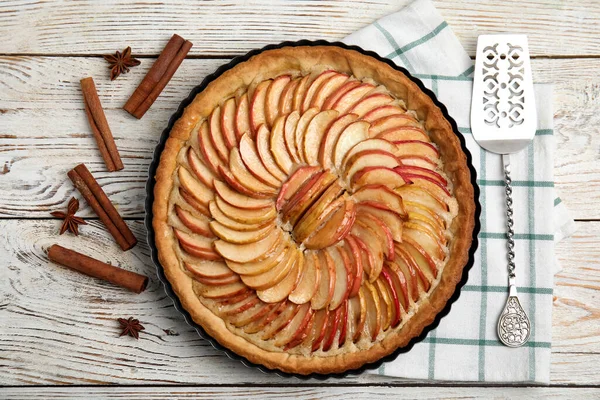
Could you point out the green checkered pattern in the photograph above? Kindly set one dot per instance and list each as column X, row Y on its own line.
column 464, row 347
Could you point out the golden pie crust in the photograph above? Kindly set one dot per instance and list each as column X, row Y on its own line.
column 297, row 62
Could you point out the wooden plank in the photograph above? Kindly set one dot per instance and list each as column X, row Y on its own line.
column 59, row 327
column 217, row 28
column 44, row 132
column 299, row 393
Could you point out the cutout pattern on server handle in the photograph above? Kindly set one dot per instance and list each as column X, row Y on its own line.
column 504, row 96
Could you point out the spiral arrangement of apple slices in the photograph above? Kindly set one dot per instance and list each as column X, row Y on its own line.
column 312, row 212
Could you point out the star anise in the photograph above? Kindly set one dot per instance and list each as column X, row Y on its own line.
column 71, row 222
column 120, row 63
column 131, row 327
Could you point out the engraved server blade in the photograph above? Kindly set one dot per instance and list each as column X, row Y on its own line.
column 503, row 121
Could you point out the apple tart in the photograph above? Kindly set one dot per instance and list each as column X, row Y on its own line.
column 313, row 209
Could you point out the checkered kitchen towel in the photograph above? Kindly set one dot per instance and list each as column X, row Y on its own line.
column 464, row 347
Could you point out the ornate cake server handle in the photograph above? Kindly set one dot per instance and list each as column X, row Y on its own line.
column 514, row 326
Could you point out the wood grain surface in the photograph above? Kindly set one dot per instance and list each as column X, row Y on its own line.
column 59, row 328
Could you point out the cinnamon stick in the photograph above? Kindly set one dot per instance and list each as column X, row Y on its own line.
column 106, row 211
column 158, row 76
column 90, row 266
column 99, row 124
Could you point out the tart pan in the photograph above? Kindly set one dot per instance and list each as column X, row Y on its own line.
column 150, row 200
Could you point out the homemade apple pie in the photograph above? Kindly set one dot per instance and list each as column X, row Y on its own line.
column 313, row 209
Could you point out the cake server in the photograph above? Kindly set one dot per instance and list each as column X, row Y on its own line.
column 503, row 121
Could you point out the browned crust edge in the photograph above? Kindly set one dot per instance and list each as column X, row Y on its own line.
column 361, row 66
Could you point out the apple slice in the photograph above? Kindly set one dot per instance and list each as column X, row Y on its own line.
column 331, row 137
column 250, row 251
column 426, row 173
column 282, row 289
column 273, row 276
column 387, row 310
column 286, row 100
column 302, row 331
column 337, row 226
column 219, row 292
column 234, row 183
column 423, row 259
column 421, row 213
column 195, row 223
column 370, row 102
column 369, row 159
column 262, row 317
column 377, row 176
column 306, row 196
column 369, row 145
column 340, row 291
column 244, row 178
column 216, row 135
column 239, row 307
column 263, row 264
column 353, row 134
column 252, row 315
column 357, row 261
column 367, row 258
column 315, row 131
column 326, row 286
column 209, row 153
column 246, row 215
column 393, row 121
column 418, row 195
column 416, row 147
column 289, row 134
column 242, row 117
column 373, row 244
column 314, row 87
column 332, row 329
column 319, row 212
column 381, row 194
column 191, row 240
column 273, row 97
column 347, row 101
column 343, row 324
column 425, row 238
column 388, row 287
column 337, row 94
column 435, row 188
column 352, row 318
column 404, row 133
column 281, row 321
column 192, row 202
column 329, row 86
column 382, row 230
column 413, row 274
column 390, row 218
column 309, row 282
column 228, row 123
column 218, row 282
column 240, row 237
column 400, row 284
column 373, row 311
column 383, row 111
column 197, row 189
column 425, row 278
column 301, row 130
column 245, row 295
column 300, row 93
column 318, row 330
column 257, row 106
column 202, row 172
column 253, row 162
column 298, row 323
column 301, row 176
column 239, row 200
column 430, row 225
column 265, row 155
column 277, row 146
column 360, row 324
column 209, row 270
column 218, row 215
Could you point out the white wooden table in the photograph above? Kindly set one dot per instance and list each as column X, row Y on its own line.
column 58, row 329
